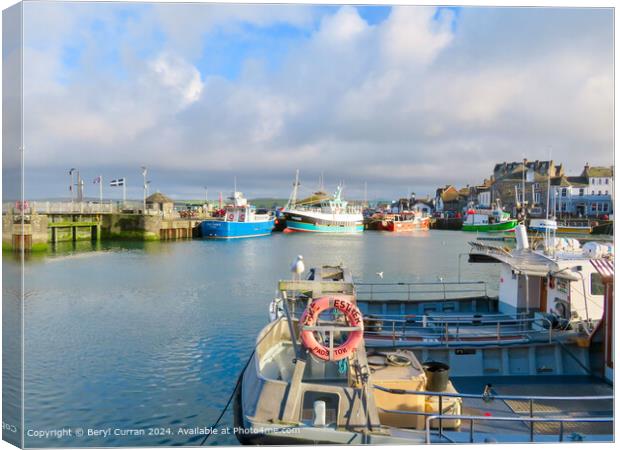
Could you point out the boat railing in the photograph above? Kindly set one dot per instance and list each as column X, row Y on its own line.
column 446, row 330
column 562, row 421
column 488, row 397
column 418, row 291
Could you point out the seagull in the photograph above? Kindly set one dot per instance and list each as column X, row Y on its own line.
column 380, row 275
column 298, row 266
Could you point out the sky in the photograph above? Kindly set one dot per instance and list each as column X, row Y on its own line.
column 400, row 98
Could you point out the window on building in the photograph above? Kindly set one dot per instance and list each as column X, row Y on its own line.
column 599, row 192
column 606, row 192
column 592, row 192
column 596, row 284
column 563, row 206
column 606, row 180
column 605, row 207
column 563, row 192
column 581, row 192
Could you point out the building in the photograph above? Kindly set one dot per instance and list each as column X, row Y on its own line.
column 510, row 179
column 587, row 195
column 160, row 202
column 480, row 195
column 424, row 206
column 448, row 198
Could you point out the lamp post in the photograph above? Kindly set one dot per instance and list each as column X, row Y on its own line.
column 145, row 188
column 71, row 182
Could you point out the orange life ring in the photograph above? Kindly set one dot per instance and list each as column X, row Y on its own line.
column 353, row 317
column 231, row 216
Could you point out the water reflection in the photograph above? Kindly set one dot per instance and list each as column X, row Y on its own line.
column 153, row 334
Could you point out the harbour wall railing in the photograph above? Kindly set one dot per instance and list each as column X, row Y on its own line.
column 439, row 290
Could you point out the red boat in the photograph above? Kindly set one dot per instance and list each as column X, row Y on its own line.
column 405, row 222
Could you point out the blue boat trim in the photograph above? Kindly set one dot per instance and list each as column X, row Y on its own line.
column 222, row 229
column 310, row 227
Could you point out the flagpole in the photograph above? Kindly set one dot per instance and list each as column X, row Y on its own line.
column 124, row 191
column 100, row 190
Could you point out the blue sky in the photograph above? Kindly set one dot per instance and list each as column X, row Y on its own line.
column 398, row 97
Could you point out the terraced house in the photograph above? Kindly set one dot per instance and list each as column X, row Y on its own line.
column 514, row 182
column 587, row 195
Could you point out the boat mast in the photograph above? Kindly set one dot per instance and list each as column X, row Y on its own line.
column 523, row 187
column 547, row 228
column 292, row 200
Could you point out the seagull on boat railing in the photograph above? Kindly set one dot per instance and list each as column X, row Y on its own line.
column 298, row 267
column 380, row 275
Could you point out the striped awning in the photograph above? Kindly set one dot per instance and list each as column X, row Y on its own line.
column 605, row 267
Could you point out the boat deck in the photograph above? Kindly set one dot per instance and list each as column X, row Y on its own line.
column 536, row 386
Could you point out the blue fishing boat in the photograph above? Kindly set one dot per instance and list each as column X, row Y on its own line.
column 240, row 220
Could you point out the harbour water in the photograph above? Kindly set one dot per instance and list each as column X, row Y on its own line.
column 145, row 341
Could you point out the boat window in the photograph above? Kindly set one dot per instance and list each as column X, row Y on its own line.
column 596, row 284
column 331, row 406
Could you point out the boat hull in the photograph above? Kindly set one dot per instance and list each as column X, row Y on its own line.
column 491, row 227
column 407, row 225
column 221, row 229
column 304, row 222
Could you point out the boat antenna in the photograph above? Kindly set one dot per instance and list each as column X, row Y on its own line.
column 235, row 184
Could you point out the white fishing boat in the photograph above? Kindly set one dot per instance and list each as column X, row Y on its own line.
column 333, row 215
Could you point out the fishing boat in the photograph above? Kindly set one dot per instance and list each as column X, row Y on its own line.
column 532, row 364
column 562, row 227
column 333, row 215
column 488, row 220
column 406, row 222
column 238, row 220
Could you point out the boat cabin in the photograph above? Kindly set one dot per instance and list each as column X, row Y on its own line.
column 561, row 283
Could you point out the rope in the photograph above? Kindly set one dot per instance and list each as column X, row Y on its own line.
column 232, row 395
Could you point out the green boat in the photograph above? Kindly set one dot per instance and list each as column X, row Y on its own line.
column 488, row 221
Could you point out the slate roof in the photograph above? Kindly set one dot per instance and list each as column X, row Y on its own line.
column 589, row 172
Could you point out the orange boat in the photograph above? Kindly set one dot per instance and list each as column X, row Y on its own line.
column 405, row 222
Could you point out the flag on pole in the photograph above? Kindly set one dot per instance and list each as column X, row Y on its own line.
column 118, row 182
column 97, row 180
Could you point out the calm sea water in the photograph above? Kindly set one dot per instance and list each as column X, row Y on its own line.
column 128, row 336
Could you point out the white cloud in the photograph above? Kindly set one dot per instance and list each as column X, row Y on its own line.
column 417, row 99
column 176, row 74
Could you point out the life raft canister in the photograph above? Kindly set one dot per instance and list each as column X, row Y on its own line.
column 353, row 317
